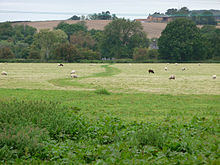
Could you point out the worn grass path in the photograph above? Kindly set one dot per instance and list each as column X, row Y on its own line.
column 109, row 71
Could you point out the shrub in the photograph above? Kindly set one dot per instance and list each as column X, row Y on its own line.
column 6, row 53
column 102, row 91
column 140, row 54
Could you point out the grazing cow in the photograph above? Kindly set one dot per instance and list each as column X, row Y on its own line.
column 60, row 64
column 150, row 71
column 172, row 77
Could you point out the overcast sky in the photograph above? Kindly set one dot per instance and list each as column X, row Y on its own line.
column 14, row 10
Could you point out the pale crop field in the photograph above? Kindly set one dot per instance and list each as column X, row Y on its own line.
column 130, row 78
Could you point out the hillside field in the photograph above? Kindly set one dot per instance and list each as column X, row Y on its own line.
column 110, row 114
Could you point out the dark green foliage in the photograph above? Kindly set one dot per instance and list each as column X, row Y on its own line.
column 82, row 39
column 67, row 52
column 211, row 38
column 140, row 54
column 75, row 17
column 33, row 131
column 6, row 31
column 6, row 53
column 153, row 54
column 120, row 37
column 205, row 18
column 181, row 41
column 70, row 29
column 102, row 16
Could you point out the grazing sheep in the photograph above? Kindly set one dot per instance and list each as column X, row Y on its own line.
column 73, row 72
column 172, row 77
column 176, row 63
column 165, row 68
column 150, row 71
column 60, row 64
column 183, row 69
column 214, row 76
column 74, row 76
column 4, row 73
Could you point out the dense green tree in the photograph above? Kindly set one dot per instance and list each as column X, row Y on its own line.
column 46, row 41
column 24, row 33
column 6, row 31
column 171, row 11
column 102, row 16
column 82, row 39
column 120, row 37
column 140, row 54
column 67, row 52
column 75, row 17
column 206, row 18
column 181, row 41
column 21, row 49
column 70, row 29
column 6, row 53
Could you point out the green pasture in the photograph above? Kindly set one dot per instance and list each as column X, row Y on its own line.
column 129, row 78
column 111, row 114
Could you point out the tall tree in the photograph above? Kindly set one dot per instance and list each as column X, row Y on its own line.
column 120, row 37
column 181, row 41
column 70, row 29
column 46, row 40
column 6, row 31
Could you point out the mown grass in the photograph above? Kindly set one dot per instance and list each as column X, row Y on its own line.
column 112, row 114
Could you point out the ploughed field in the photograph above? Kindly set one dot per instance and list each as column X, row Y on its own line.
column 111, row 113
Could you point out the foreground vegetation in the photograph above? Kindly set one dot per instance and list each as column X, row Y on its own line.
column 106, row 117
column 95, row 127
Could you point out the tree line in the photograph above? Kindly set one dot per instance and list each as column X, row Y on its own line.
column 180, row 41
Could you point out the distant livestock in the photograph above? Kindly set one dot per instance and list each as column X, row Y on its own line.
column 183, row 69
column 74, row 76
column 73, row 72
column 176, row 63
column 214, row 76
column 60, row 64
column 172, row 77
column 165, row 68
column 150, row 71
column 4, row 73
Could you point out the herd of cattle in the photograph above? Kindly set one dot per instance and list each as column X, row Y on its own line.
column 74, row 75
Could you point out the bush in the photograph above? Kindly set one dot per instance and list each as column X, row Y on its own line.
column 140, row 54
column 102, row 91
column 153, row 54
column 6, row 53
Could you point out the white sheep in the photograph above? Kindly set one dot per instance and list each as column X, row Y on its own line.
column 214, row 76
column 73, row 72
column 199, row 64
column 172, row 77
column 4, row 73
column 176, row 63
column 74, row 76
column 183, row 69
column 165, row 68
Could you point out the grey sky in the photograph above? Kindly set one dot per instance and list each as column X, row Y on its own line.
column 64, row 9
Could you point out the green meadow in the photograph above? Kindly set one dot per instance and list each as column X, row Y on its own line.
column 110, row 114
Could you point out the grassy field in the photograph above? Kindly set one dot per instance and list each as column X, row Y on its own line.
column 111, row 114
